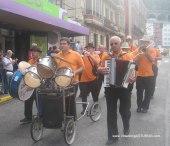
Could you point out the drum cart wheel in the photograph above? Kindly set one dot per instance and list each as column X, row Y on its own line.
column 36, row 129
column 69, row 131
column 95, row 112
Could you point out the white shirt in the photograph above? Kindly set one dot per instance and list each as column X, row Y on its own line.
column 7, row 63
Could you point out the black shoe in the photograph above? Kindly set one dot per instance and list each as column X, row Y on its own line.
column 144, row 111
column 111, row 141
column 25, row 120
column 126, row 132
column 138, row 110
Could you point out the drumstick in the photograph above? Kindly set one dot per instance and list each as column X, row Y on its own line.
column 57, row 57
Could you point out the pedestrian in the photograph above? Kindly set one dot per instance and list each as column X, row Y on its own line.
column 50, row 50
column 7, row 69
column 1, row 70
column 79, row 48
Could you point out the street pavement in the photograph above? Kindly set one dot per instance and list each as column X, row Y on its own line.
column 150, row 129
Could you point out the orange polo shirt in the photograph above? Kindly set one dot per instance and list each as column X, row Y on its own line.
column 122, row 55
column 158, row 54
column 74, row 58
column 87, row 74
column 144, row 64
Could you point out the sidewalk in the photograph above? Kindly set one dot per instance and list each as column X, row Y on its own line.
column 5, row 98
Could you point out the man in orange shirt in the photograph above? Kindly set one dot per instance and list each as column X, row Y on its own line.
column 88, row 82
column 100, row 79
column 155, row 68
column 145, row 75
column 28, row 105
column 114, row 93
column 73, row 60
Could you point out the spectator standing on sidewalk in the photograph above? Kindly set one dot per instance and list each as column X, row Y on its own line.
column 1, row 70
column 7, row 69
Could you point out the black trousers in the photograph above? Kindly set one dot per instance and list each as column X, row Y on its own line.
column 28, row 105
column 154, row 79
column 144, row 86
column 100, row 80
column 112, row 95
column 86, row 88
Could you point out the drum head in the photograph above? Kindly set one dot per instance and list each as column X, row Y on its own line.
column 24, row 91
column 44, row 71
column 63, row 81
column 32, row 80
column 22, row 66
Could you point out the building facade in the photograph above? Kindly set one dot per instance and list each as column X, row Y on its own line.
column 136, row 16
column 104, row 18
column 159, row 18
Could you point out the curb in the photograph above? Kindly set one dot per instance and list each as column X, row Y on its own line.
column 5, row 99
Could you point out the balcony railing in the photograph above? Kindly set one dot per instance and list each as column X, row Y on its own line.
column 97, row 19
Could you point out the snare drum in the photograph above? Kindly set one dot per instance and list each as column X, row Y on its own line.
column 32, row 78
column 63, row 77
column 46, row 67
column 17, row 87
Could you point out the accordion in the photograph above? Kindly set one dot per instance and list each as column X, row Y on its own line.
column 120, row 72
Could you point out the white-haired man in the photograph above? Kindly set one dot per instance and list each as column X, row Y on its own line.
column 113, row 94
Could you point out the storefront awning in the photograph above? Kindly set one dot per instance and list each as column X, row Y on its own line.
column 18, row 16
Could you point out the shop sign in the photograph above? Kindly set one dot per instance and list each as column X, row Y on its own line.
column 42, row 5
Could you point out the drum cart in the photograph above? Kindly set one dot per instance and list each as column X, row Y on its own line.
column 55, row 115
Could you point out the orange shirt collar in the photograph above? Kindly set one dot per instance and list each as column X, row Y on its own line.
column 63, row 53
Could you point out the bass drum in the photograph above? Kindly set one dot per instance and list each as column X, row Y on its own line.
column 18, row 88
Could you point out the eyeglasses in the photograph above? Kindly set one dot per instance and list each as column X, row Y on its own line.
column 113, row 43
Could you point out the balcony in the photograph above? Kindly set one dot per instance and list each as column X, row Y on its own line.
column 94, row 18
column 91, row 17
column 108, row 23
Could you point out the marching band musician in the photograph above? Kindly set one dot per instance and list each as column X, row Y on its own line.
column 145, row 74
column 73, row 60
column 88, row 80
column 114, row 93
column 155, row 68
column 102, row 53
column 28, row 105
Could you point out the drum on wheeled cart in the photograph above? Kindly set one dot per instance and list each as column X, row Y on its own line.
column 55, row 95
column 56, row 110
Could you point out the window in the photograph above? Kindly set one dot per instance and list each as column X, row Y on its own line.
column 101, row 40
column 95, row 40
column 98, row 7
column 94, row 7
column 88, row 7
